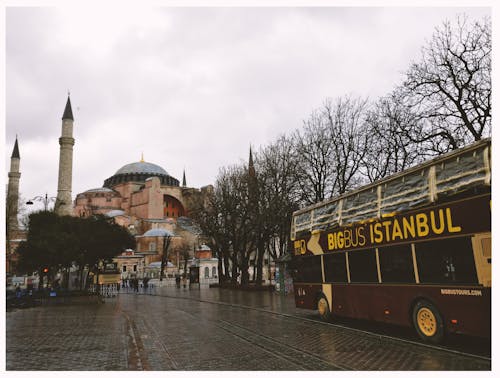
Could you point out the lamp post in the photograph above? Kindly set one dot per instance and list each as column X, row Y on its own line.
column 45, row 200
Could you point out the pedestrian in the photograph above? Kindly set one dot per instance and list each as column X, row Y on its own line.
column 184, row 280
column 178, row 280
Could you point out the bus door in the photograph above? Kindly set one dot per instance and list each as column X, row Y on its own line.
column 481, row 244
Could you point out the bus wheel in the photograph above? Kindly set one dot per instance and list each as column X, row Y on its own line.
column 428, row 322
column 323, row 308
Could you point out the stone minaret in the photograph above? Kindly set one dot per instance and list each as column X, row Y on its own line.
column 184, row 178
column 64, row 205
column 13, row 189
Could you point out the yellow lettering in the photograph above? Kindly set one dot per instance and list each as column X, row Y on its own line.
column 451, row 228
column 422, row 226
column 340, row 240
column 331, row 241
column 437, row 230
column 347, row 238
column 379, row 235
column 371, row 233
column 387, row 234
column 396, row 230
column 361, row 236
column 409, row 227
column 300, row 247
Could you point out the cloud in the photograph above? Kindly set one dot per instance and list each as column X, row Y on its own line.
column 192, row 88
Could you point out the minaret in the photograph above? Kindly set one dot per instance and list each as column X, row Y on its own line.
column 184, row 178
column 13, row 189
column 64, row 205
column 251, row 167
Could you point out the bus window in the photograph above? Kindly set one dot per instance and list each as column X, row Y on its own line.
column 363, row 266
column 335, row 267
column 307, row 269
column 446, row 261
column 396, row 264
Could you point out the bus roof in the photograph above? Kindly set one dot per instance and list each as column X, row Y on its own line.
column 422, row 184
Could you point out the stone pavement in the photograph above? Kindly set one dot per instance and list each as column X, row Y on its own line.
column 170, row 330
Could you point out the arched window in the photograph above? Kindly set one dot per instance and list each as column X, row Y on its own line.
column 207, row 272
column 214, row 271
column 152, row 246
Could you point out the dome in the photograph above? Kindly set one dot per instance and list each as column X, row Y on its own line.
column 139, row 172
column 142, row 167
column 114, row 213
column 158, row 232
column 99, row 190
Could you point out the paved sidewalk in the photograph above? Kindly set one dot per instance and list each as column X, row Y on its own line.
column 265, row 300
column 163, row 330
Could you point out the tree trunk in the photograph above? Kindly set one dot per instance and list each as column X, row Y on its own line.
column 40, row 281
column 234, row 270
column 219, row 268
column 260, row 260
column 244, row 270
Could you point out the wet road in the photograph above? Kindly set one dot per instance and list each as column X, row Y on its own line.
column 208, row 329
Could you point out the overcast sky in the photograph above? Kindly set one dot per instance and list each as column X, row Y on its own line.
column 191, row 88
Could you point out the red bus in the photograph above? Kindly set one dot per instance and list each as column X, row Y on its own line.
column 413, row 249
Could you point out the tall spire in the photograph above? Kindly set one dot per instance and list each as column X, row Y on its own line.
column 64, row 204
column 15, row 151
column 68, row 113
column 184, row 178
column 13, row 190
column 251, row 168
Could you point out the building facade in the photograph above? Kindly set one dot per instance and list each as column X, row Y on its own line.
column 146, row 199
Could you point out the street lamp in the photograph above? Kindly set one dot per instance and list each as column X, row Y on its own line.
column 45, row 200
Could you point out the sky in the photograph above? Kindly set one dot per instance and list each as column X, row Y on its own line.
column 190, row 88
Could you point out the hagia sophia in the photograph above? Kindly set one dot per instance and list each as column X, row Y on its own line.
column 141, row 196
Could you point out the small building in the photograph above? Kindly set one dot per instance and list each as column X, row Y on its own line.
column 205, row 266
column 153, row 269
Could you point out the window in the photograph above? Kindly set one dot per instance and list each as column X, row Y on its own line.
column 135, row 268
column 307, row 269
column 363, row 266
column 152, row 246
column 124, row 268
column 214, row 271
column 396, row 264
column 446, row 261
column 207, row 272
column 335, row 267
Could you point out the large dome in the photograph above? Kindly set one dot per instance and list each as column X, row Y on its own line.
column 139, row 172
column 142, row 167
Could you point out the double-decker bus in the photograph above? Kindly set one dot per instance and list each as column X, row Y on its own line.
column 413, row 249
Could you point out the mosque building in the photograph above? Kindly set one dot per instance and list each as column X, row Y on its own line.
column 146, row 199
column 141, row 196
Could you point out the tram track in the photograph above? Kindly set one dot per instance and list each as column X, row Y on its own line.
column 379, row 336
column 304, row 360
column 300, row 358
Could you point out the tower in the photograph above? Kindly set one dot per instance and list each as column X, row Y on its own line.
column 64, row 205
column 13, row 189
column 184, row 178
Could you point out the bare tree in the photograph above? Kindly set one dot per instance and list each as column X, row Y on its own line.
column 313, row 151
column 450, row 88
column 390, row 148
column 349, row 139
column 167, row 238
column 279, row 193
